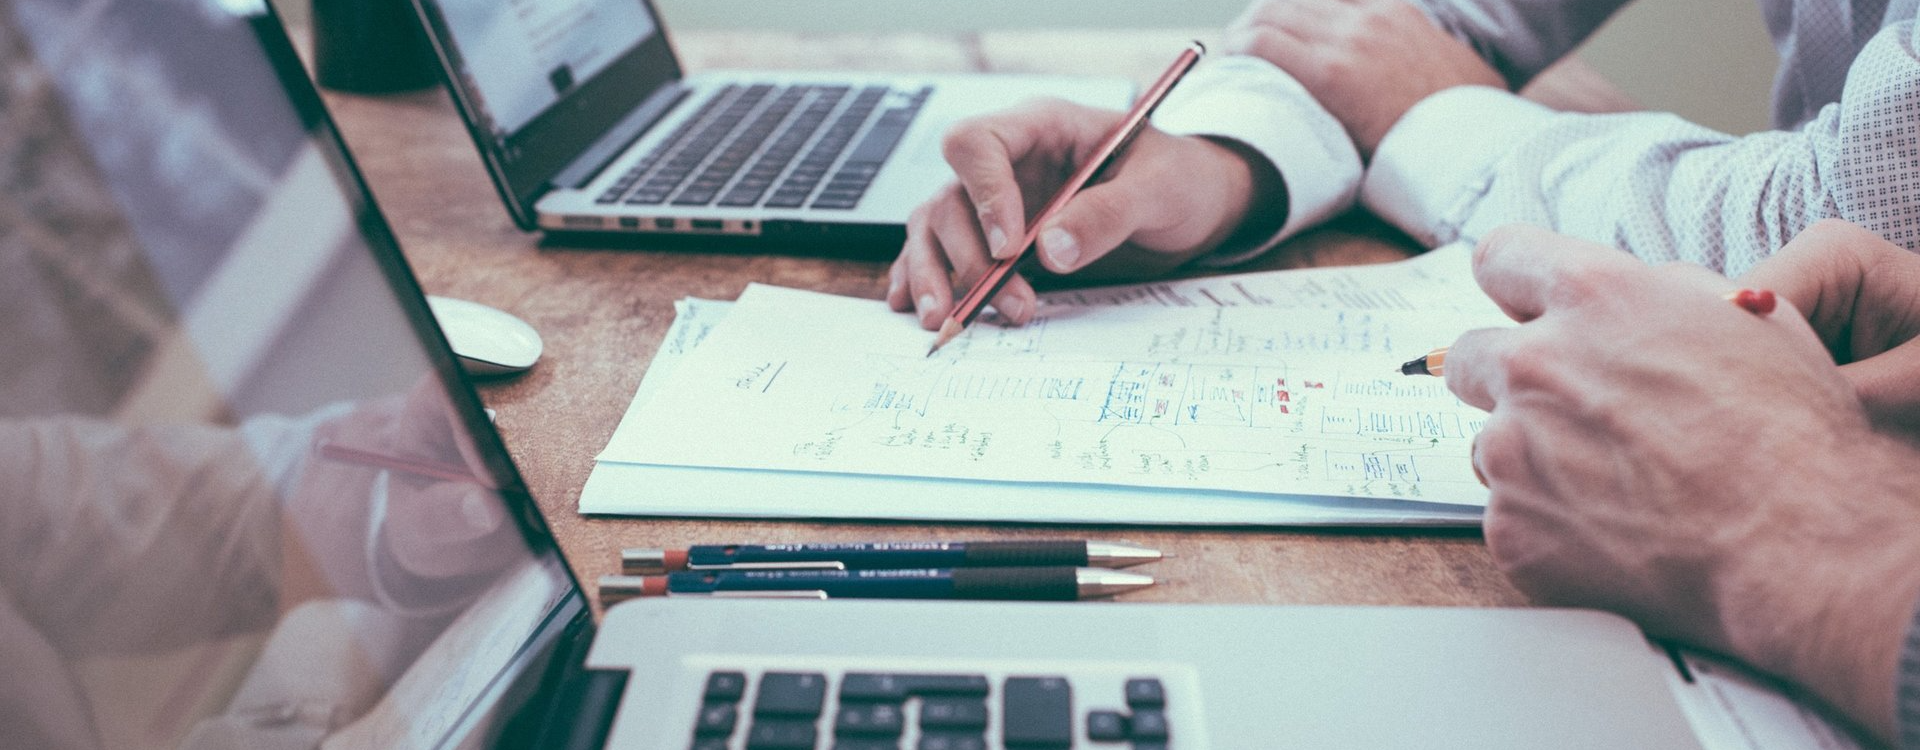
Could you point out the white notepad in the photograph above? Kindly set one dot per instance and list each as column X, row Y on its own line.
column 1262, row 398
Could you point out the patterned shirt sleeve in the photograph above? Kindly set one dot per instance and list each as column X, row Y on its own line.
column 1469, row 159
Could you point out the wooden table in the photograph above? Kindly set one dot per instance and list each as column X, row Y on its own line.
column 603, row 313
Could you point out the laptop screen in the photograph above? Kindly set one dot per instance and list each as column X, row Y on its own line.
column 248, row 502
column 528, row 54
column 540, row 81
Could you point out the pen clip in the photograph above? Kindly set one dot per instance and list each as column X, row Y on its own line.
column 821, row 595
column 814, row 565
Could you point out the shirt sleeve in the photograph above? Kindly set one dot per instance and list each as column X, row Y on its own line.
column 1249, row 101
column 1520, row 38
column 1468, row 159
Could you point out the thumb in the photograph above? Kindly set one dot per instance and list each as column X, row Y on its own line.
column 1091, row 225
column 1887, row 386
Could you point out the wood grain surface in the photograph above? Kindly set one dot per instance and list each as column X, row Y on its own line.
column 604, row 311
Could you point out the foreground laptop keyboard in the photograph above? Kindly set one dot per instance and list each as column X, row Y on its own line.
column 741, row 147
column 919, row 711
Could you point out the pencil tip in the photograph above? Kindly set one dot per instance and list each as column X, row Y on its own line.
column 948, row 331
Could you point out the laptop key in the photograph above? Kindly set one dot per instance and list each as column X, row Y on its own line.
column 1037, row 712
column 790, row 694
column 953, row 713
column 949, row 741
column 725, row 686
column 710, row 743
column 1145, row 692
column 1148, row 724
column 715, row 719
column 1106, row 726
column 869, row 719
column 865, row 743
column 781, row 734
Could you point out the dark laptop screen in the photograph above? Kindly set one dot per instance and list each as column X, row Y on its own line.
column 244, row 499
column 539, row 81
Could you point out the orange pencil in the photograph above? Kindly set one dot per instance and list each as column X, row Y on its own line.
column 975, row 300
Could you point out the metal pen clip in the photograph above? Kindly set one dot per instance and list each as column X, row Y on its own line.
column 822, row 595
column 814, row 565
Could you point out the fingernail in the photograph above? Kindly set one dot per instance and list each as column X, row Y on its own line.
column 997, row 242
column 1012, row 309
column 1061, row 247
column 893, row 288
column 927, row 305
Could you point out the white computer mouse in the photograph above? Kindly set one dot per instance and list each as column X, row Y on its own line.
column 486, row 341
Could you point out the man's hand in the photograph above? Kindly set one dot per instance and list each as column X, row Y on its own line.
column 1366, row 61
column 1659, row 452
column 1861, row 293
column 1166, row 201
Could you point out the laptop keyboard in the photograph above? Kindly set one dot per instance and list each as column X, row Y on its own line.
column 922, row 711
column 740, row 149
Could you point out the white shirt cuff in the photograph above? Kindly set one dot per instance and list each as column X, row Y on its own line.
column 1438, row 160
column 1249, row 101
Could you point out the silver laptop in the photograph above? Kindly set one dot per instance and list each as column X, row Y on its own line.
column 251, row 502
column 588, row 123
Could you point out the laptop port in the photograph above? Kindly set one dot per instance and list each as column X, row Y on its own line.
column 668, row 224
column 709, row 225
column 630, row 222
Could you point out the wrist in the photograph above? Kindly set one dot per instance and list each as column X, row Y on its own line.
column 1255, row 196
column 1827, row 604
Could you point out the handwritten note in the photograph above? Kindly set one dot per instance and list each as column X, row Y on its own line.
column 1245, row 398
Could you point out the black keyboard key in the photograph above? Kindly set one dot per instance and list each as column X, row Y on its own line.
column 1145, row 692
column 947, row 741
column 869, row 719
column 696, row 196
column 781, row 734
column 1148, row 724
column 837, row 203
column 953, row 713
column 725, row 686
column 787, row 200
column 715, row 720
column 868, row 686
column 1106, row 726
column 790, row 694
column 1037, row 712
column 647, row 198
column 865, row 743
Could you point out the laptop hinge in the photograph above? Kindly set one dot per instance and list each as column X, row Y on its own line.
column 618, row 138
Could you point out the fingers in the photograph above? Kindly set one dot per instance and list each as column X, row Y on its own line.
column 1476, row 365
column 446, row 526
column 1526, row 269
column 945, row 253
column 927, row 274
column 1860, row 293
column 1887, row 387
column 985, row 152
column 1095, row 222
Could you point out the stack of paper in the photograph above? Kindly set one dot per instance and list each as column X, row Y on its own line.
column 1270, row 398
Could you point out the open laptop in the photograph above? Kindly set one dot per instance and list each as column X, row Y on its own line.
column 250, row 502
column 588, row 123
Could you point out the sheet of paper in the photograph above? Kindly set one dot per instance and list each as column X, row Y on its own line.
column 1299, row 402
column 1440, row 280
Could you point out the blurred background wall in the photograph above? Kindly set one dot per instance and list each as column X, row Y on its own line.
column 1708, row 60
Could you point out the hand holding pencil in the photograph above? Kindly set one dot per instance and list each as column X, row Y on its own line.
column 1167, row 200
